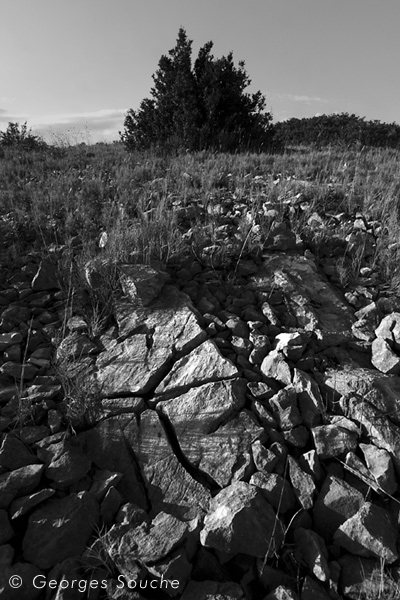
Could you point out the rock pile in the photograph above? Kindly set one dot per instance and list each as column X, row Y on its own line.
column 244, row 440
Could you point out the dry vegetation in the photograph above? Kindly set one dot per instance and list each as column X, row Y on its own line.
column 69, row 196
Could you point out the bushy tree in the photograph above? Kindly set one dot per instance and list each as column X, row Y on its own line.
column 198, row 106
column 20, row 136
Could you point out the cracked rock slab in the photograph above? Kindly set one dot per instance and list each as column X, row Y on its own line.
column 169, row 486
column 149, row 338
column 204, row 364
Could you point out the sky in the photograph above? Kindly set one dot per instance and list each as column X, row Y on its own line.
column 72, row 68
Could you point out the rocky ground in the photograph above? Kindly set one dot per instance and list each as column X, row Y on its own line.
column 233, row 430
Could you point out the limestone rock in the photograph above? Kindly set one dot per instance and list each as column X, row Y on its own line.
column 15, row 454
column 383, row 357
column 380, row 390
column 282, row 593
column 276, row 490
column 275, row 367
column 316, row 305
column 148, row 544
column 23, row 505
column 205, row 363
column 240, row 520
column 369, row 533
column 302, row 483
column 165, row 330
column 382, row 432
column 48, row 538
column 389, row 330
column 380, row 466
column 46, row 277
column 168, row 483
column 6, row 531
column 356, row 575
column 141, row 283
column 309, row 398
column 312, row 551
column 19, row 482
column 105, row 445
column 336, row 502
column 331, row 440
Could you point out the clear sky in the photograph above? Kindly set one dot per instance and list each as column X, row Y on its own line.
column 73, row 67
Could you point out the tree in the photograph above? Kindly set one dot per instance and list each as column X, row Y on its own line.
column 20, row 136
column 199, row 106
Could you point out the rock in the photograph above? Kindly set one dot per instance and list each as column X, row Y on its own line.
column 167, row 482
column 311, row 590
column 311, row 550
column 316, row 305
column 275, row 367
column 368, row 533
column 276, row 490
column 389, row 330
column 380, row 466
column 9, row 339
column 204, row 364
column 220, row 451
column 282, row 593
column 336, row 502
column 14, row 453
column 264, row 459
column 240, row 520
column 148, row 544
column 19, row 482
column 48, row 539
column 381, row 432
column 205, row 590
column 356, row 576
column 309, row 398
column 165, row 330
column 331, row 440
column 379, row 390
column 65, row 462
column 302, row 483
column 383, row 357
column 23, row 505
column 105, row 445
column 46, row 277
column 141, row 283
column 284, row 406
column 6, row 530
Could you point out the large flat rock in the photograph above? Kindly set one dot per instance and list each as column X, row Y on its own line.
column 315, row 303
column 148, row 340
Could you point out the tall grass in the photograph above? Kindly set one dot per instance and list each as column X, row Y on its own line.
column 57, row 195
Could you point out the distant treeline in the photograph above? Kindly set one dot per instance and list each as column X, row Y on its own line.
column 337, row 129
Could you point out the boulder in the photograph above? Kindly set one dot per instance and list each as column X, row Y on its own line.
column 48, row 538
column 383, row 357
column 336, row 502
column 240, row 520
column 368, row 533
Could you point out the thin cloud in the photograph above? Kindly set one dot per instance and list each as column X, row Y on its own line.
column 297, row 98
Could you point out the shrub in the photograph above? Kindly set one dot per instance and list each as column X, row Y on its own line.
column 20, row 136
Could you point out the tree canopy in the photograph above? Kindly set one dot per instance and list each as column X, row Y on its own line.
column 198, row 106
